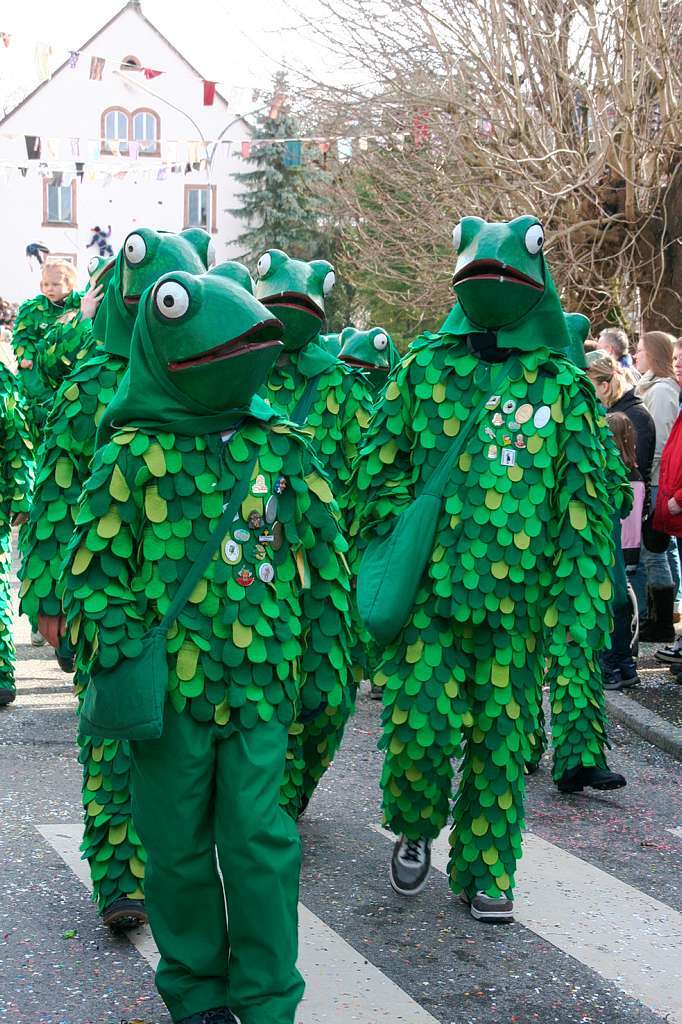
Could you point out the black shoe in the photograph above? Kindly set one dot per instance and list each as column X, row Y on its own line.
column 575, row 780
column 410, row 865
column 219, row 1015
column 532, row 767
column 375, row 692
column 6, row 696
column 123, row 914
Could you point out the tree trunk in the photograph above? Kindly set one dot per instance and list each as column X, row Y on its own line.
column 662, row 308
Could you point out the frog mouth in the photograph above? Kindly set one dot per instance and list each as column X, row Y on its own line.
column 262, row 336
column 362, row 365
column 105, row 270
column 493, row 270
column 293, row 300
column 131, row 300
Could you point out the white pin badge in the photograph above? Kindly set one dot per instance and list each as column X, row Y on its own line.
column 508, row 457
column 542, row 417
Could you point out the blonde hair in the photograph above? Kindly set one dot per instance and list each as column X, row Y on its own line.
column 602, row 368
column 659, row 351
column 67, row 268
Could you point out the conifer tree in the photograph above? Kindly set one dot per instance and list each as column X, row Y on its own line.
column 277, row 206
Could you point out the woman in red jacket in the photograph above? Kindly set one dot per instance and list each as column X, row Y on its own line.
column 668, row 515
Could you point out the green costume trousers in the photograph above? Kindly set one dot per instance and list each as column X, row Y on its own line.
column 7, row 652
column 198, row 788
column 110, row 844
column 469, row 691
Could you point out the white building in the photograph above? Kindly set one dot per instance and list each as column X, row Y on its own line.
column 132, row 149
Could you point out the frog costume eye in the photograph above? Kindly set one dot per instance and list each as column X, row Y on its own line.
column 328, row 283
column 135, row 249
column 264, row 264
column 535, row 239
column 457, row 237
column 93, row 265
column 171, row 300
column 380, row 342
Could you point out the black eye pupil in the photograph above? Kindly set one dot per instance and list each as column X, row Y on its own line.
column 168, row 301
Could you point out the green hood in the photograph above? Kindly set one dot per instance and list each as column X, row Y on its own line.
column 144, row 256
column 295, row 290
column 201, row 348
column 578, row 327
column 372, row 351
column 503, row 285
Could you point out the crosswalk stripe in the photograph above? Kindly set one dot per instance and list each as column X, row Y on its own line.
column 618, row 931
column 340, row 984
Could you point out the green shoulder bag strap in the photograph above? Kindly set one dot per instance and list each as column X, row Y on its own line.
column 305, row 402
column 204, row 557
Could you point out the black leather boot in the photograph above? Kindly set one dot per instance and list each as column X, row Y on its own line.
column 659, row 628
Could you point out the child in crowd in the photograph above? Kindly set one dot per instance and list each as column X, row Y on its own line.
column 618, row 664
column 58, row 296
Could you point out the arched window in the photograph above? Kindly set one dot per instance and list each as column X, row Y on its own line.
column 146, row 131
column 115, row 131
column 131, row 63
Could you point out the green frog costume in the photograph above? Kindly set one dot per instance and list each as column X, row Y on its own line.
column 371, row 352
column 111, row 844
column 35, row 318
column 314, row 389
column 264, row 629
column 519, row 571
column 70, row 339
column 16, row 460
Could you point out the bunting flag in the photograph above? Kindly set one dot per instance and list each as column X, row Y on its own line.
column 134, row 150
column 292, row 154
column 6, row 39
column 209, row 93
column 43, row 52
column 277, row 104
column 32, row 146
column 150, row 73
column 96, row 68
column 74, row 56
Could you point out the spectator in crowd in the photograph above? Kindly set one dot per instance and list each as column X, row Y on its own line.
column 660, row 392
column 618, row 664
column 615, row 341
column 590, row 345
column 616, row 395
column 669, row 504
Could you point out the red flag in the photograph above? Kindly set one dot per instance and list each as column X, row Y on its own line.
column 150, row 73
column 209, row 93
column 96, row 68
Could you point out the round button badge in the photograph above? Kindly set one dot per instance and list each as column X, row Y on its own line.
column 542, row 417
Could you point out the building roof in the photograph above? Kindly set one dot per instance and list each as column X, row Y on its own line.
column 134, row 5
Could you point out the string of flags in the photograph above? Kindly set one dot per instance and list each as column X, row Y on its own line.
column 56, row 150
column 99, row 64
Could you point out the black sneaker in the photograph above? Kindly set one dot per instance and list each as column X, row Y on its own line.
column 123, row 914
column 375, row 692
column 489, row 909
column 7, row 696
column 575, row 780
column 670, row 655
column 410, row 865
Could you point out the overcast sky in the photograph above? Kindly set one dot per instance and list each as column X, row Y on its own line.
column 244, row 43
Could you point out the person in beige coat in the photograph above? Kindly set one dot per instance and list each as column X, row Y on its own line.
column 660, row 393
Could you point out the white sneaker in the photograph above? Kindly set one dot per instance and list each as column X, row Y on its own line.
column 37, row 639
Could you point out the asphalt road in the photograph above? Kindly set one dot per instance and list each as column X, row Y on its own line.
column 598, row 936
